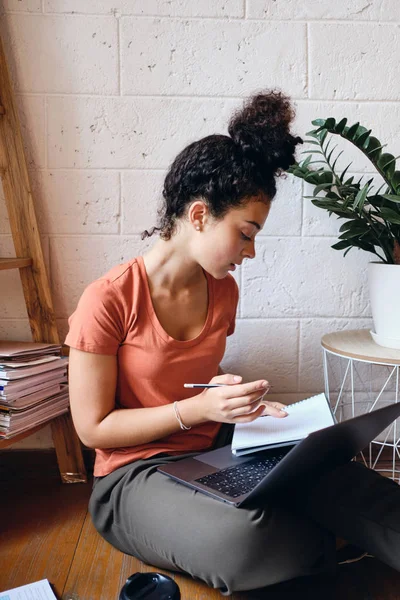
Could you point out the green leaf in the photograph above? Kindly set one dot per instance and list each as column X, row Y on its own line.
column 374, row 147
column 348, row 225
column 341, row 125
column 362, row 140
column 354, row 229
column 318, row 122
column 344, row 173
column 330, row 123
column 321, row 186
column 336, row 159
column 323, row 135
column 312, row 152
column 351, row 131
column 390, row 215
column 327, row 177
column 342, row 245
column 360, row 130
column 360, row 198
column 313, row 133
column 387, row 163
column 306, row 162
column 396, row 179
column 391, row 197
column 330, row 154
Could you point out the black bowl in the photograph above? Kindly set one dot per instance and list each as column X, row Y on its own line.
column 152, row 586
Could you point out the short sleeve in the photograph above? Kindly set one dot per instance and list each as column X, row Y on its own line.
column 235, row 300
column 98, row 323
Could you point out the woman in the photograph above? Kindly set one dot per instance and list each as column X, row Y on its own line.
column 146, row 327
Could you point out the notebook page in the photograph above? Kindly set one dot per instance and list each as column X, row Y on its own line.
column 303, row 418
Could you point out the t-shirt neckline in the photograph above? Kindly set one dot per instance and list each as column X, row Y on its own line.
column 156, row 323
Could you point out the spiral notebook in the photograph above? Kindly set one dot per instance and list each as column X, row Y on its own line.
column 303, row 418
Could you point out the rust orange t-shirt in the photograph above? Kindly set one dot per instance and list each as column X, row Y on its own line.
column 115, row 315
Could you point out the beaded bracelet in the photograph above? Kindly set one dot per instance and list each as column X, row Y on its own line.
column 178, row 417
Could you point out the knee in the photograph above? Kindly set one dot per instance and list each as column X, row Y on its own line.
column 240, row 557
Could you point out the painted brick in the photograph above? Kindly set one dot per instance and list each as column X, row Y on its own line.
column 285, row 215
column 17, row 330
column 264, row 349
column 374, row 49
column 32, row 6
column 303, row 276
column 76, row 202
column 177, row 8
column 129, row 132
column 141, row 197
column 174, row 57
column 311, row 377
column 77, row 261
column 72, row 55
column 357, row 10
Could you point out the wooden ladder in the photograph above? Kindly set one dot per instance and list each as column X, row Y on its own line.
column 29, row 260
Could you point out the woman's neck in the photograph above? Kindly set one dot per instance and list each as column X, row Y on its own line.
column 169, row 266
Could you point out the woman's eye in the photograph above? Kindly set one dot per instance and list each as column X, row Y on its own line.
column 245, row 237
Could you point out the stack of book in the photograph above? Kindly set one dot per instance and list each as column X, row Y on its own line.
column 33, row 386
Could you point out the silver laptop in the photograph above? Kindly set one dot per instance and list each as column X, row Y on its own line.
column 245, row 480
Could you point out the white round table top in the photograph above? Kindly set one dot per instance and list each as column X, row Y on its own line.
column 358, row 343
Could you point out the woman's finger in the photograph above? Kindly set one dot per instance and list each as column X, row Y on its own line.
column 249, row 417
column 274, row 409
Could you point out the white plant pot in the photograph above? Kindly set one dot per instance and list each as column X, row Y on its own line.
column 384, row 293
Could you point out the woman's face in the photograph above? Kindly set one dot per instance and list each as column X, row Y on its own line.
column 223, row 244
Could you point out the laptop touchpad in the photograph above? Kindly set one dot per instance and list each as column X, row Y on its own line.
column 222, row 457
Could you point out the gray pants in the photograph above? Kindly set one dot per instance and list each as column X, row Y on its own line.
column 163, row 523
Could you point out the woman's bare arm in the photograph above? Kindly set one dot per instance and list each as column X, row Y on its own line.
column 92, row 385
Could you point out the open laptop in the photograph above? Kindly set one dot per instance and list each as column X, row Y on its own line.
column 244, row 480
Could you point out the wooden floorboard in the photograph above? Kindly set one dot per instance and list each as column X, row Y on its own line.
column 39, row 532
column 98, row 571
column 46, row 532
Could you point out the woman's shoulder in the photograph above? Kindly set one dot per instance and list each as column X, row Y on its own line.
column 117, row 290
column 117, row 278
column 119, row 274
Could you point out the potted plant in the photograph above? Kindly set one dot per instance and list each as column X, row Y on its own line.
column 372, row 216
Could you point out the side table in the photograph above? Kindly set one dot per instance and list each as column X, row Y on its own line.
column 361, row 376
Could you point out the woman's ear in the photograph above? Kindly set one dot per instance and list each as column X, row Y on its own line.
column 197, row 214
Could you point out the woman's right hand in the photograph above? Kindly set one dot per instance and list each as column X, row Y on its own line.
column 235, row 402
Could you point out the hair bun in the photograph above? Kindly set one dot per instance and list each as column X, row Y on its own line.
column 261, row 130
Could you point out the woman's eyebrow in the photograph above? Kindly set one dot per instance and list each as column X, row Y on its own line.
column 254, row 223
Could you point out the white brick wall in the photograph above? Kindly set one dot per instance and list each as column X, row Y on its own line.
column 110, row 90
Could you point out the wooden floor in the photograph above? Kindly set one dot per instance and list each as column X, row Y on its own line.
column 46, row 533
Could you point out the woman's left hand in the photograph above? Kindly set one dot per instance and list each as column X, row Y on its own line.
column 274, row 409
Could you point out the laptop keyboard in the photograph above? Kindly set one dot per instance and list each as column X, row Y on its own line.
column 236, row 481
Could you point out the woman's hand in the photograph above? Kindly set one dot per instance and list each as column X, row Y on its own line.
column 237, row 402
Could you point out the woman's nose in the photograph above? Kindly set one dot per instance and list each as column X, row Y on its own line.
column 250, row 250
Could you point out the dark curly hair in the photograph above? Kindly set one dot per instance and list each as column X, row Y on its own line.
column 226, row 171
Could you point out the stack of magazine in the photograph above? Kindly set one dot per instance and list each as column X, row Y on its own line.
column 33, row 386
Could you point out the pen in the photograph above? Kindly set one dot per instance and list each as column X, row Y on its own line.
column 203, row 385
column 208, row 385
